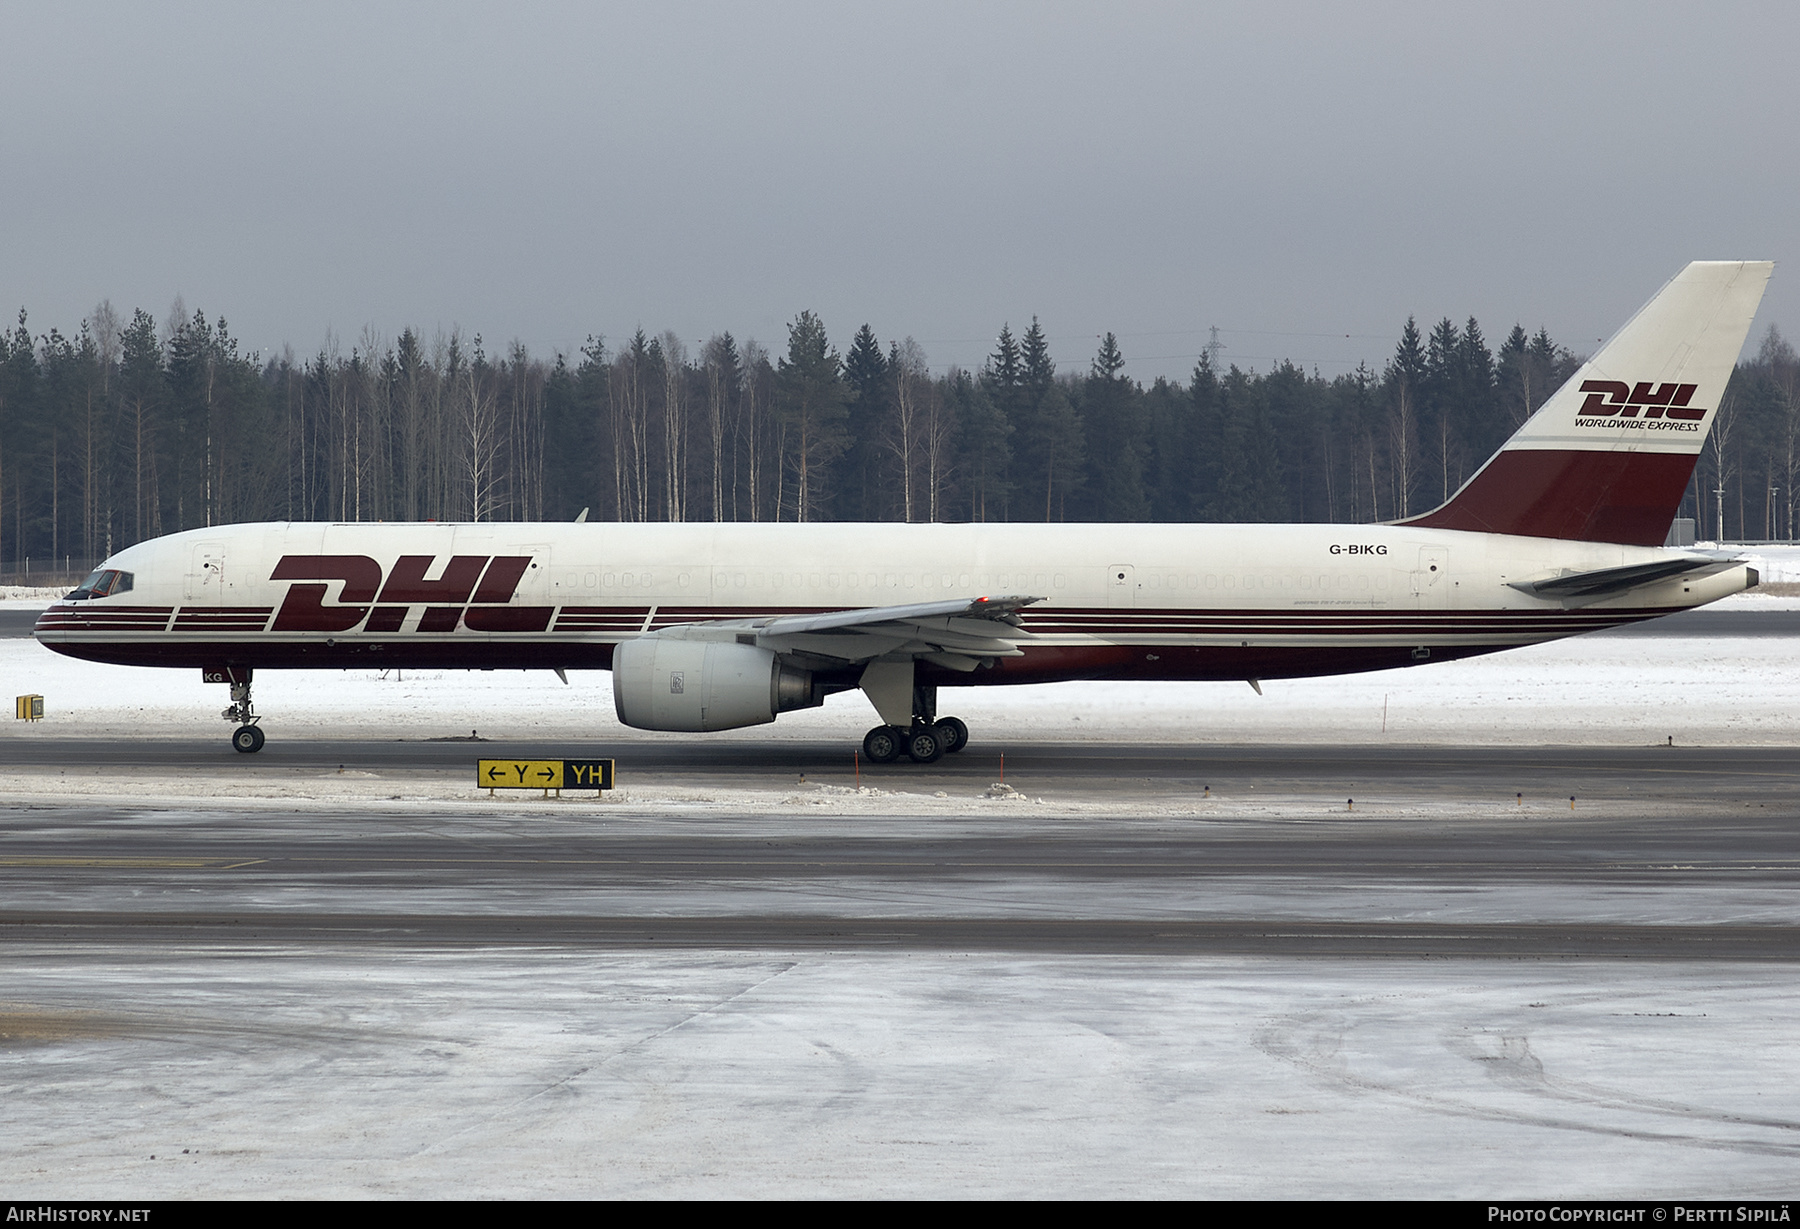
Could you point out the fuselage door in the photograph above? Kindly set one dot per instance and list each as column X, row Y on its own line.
column 1121, row 586
column 1431, row 582
column 205, row 579
column 540, row 584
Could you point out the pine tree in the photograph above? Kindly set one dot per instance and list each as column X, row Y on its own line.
column 866, row 373
column 1513, row 378
column 1039, row 451
column 1480, row 428
column 1405, row 379
column 986, row 449
column 1061, row 453
column 1110, row 407
column 812, row 403
column 19, row 415
column 1006, row 371
column 141, row 393
column 1040, row 369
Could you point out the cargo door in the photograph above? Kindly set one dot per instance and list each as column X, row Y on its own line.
column 204, row 584
column 1431, row 580
column 1121, row 586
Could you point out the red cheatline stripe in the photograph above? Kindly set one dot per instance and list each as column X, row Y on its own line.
column 150, row 620
column 104, row 624
column 1333, row 621
column 1255, row 612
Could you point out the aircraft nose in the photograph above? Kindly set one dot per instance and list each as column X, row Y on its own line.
column 50, row 620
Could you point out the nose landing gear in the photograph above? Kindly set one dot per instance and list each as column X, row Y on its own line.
column 248, row 737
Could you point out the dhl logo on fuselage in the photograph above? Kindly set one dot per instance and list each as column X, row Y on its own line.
column 472, row 589
column 1607, row 398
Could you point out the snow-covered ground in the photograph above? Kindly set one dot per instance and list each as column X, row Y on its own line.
column 366, row 1072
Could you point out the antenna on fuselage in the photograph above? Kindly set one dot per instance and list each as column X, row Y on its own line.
column 581, row 516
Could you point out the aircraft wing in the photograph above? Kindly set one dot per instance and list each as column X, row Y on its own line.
column 957, row 633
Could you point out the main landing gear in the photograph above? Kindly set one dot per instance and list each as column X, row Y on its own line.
column 925, row 743
column 248, row 737
column 928, row 738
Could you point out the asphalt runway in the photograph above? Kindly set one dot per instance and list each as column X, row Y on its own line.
column 1658, row 822
column 1701, row 775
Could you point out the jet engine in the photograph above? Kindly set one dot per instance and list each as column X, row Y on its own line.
column 665, row 683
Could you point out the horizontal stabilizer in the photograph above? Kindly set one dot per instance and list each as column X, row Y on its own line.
column 1608, row 581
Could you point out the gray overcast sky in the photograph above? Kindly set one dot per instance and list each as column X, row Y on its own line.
column 1289, row 172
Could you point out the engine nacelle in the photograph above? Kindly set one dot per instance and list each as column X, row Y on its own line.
column 664, row 683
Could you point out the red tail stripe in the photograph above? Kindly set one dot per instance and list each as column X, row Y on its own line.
column 1625, row 497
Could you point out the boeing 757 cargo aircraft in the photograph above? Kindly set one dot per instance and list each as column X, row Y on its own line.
column 717, row 626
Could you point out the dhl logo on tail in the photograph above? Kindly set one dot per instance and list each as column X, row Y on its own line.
column 1609, row 397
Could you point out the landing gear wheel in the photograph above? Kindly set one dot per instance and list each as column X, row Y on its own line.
column 883, row 744
column 924, row 745
column 248, row 739
column 953, row 734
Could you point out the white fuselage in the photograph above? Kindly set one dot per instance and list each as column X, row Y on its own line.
column 1118, row 601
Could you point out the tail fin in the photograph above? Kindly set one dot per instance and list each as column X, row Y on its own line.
column 1609, row 456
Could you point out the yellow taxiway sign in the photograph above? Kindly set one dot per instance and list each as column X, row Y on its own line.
column 544, row 774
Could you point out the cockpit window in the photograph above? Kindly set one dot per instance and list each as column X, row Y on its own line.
column 105, row 582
